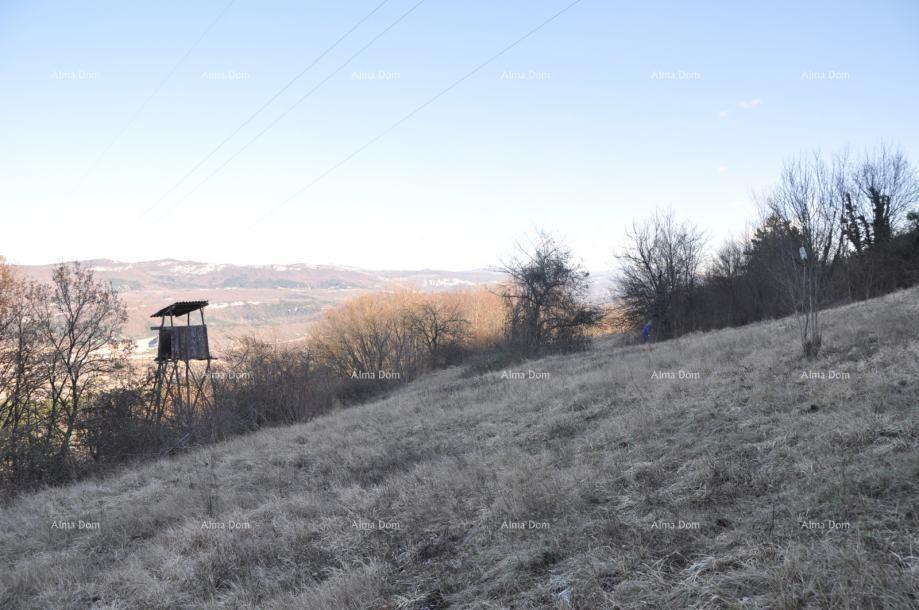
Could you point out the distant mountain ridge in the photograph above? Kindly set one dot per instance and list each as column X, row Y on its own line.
column 278, row 300
column 173, row 273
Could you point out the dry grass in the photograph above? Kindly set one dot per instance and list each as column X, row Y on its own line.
column 599, row 452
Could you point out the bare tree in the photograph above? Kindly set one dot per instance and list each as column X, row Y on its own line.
column 83, row 320
column 888, row 189
column 21, row 374
column 809, row 197
column 547, row 300
column 659, row 271
column 439, row 326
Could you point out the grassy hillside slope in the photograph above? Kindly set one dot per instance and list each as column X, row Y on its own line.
column 600, row 457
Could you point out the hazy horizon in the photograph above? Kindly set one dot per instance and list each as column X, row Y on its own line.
column 491, row 268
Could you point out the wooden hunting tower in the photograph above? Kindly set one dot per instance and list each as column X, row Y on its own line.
column 179, row 385
column 187, row 342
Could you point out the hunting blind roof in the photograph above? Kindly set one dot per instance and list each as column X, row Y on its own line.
column 180, row 308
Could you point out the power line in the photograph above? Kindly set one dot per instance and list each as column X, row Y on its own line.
column 414, row 112
column 143, row 104
column 262, row 107
column 294, row 105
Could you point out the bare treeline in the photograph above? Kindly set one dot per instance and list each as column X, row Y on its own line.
column 831, row 231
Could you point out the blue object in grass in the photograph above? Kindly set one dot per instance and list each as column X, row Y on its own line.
column 646, row 333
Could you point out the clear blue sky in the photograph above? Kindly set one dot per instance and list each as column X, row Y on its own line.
column 610, row 110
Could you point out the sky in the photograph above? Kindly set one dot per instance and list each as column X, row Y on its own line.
column 423, row 137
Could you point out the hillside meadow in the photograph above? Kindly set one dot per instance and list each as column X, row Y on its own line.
column 719, row 470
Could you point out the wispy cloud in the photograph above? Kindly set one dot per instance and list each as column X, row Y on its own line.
column 723, row 114
column 722, row 169
column 748, row 104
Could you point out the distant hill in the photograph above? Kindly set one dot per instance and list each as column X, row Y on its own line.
column 275, row 300
column 176, row 274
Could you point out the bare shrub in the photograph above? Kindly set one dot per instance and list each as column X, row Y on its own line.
column 660, row 270
column 546, row 301
column 120, row 424
column 394, row 337
column 260, row 383
column 368, row 335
